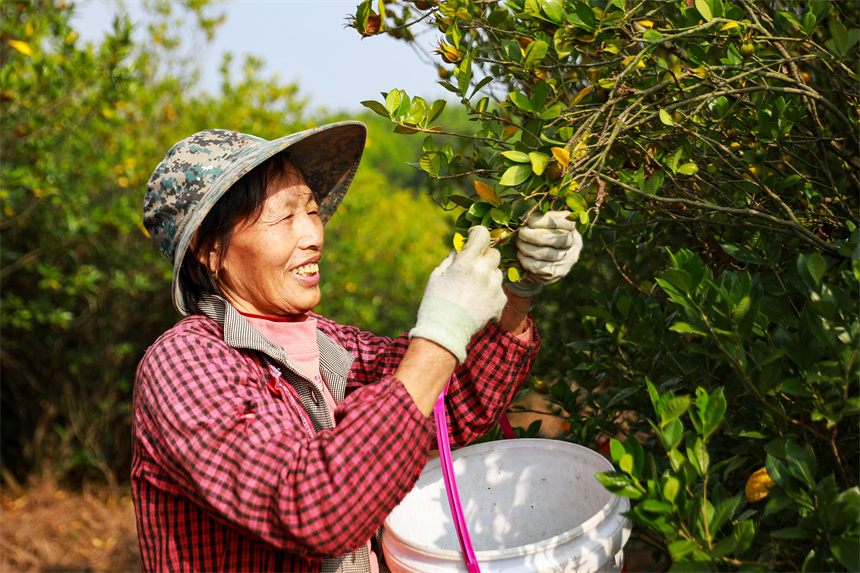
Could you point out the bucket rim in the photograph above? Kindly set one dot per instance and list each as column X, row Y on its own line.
column 544, row 544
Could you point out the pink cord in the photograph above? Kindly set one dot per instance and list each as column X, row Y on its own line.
column 451, row 484
column 507, row 430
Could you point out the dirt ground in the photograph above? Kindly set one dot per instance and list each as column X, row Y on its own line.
column 46, row 528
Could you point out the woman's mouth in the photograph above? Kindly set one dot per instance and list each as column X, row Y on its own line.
column 307, row 270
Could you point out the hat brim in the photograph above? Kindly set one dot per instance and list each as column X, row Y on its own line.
column 328, row 157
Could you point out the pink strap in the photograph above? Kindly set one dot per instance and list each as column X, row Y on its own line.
column 507, row 430
column 451, row 484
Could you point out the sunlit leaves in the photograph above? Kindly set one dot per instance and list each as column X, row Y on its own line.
column 515, row 175
column 709, row 159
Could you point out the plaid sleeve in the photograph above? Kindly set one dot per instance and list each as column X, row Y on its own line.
column 206, row 415
column 496, row 366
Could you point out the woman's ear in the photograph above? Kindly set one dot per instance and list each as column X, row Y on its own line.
column 207, row 259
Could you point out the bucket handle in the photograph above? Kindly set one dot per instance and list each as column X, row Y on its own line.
column 451, row 480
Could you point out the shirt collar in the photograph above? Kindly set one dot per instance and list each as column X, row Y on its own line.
column 335, row 360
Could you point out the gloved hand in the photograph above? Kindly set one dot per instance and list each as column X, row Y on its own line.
column 463, row 294
column 548, row 247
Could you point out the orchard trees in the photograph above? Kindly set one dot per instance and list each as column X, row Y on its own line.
column 84, row 290
column 709, row 151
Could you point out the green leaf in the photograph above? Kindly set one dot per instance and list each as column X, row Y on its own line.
column 552, row 112
column 704, row 8
column 673, row 433
column 681, row 548
column 724, row 511
column 684, row 328
column 808, row 23
column 656, row 506
column 616, row 449
column 744, row 532
column 586, row 15
column 671, row 488
column 479, row 209
column 688, row 169
column 666, row 118
column 698, row 455
column 653, row 184
column 788, row 182
column 839, row 33
column 795, row 387
column 431, row 162
column 535, row 52
column 417, row 111
column 436, row 109
column 554, row 10
column 626, row 463
column 847, row 551
column 743, row 253
column 674, row 408
column 521, row 101
column 674, row 159
column 377, row 107
column 461, row 200
column 463, row 73
column 515, row 175
column 576, row 203
column 634, row 449
column 392, row 102
column 714, row 412
column 484, row 81
column 801, row 462
column 620, row 484
column 652, row 36
column 791, row 17
column 724, row 546
column 517, row 156
column 652, row 391
column 817, row 266
column 679, row 279
column 500, row 215
column 539, row 161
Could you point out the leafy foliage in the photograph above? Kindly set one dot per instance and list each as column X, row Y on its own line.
column 84, row 290
column 708, row 150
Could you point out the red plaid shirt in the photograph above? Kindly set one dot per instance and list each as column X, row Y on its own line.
column 226, row 475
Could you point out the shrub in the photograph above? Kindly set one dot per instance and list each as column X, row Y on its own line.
column 709, row 151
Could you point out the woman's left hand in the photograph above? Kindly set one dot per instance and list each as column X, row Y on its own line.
column 548, row 245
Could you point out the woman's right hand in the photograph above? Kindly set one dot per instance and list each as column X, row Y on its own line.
column 463, row 294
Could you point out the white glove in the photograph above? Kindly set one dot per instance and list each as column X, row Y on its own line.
column 548, row 247
column 463, row 294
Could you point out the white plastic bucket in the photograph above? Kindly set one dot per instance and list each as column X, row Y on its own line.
column 530, row 505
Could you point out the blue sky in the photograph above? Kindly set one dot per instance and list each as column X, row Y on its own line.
column 305, row 42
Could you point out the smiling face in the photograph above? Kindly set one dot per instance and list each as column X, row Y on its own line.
column 271, row 265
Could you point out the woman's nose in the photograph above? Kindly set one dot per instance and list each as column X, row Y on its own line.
column 311, row 230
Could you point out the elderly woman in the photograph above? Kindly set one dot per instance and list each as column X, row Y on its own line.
column 267, row 437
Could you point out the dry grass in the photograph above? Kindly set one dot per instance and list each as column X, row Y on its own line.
column 46, row 528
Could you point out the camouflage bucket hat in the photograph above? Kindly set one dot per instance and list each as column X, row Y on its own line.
column 200, row 169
